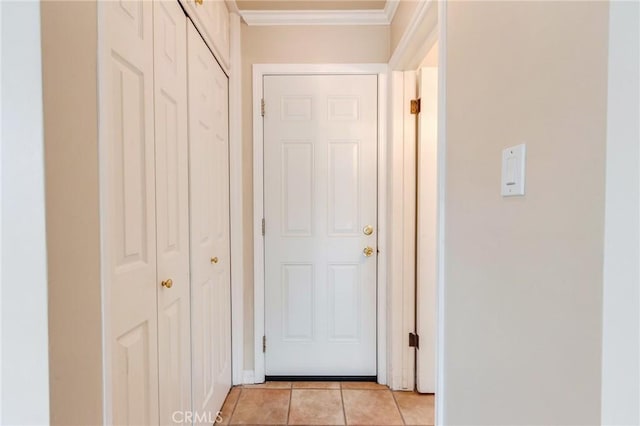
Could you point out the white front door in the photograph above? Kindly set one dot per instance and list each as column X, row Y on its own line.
column 320, row 201
column 210, row 251
column 172, row 208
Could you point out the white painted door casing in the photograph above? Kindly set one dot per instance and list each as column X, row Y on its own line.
column 320, row 173
column 209, row 213
column 172, row 208
column 427, row 232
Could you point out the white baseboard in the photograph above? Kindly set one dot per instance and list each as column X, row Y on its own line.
column 248, row 377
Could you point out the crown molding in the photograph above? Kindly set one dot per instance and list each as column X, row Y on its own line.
column 419, row 36
column 232, row 6
column 322, row 17
column 390, row 8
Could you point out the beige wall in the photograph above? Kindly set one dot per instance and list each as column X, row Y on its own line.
column 69, row 41
column 292, row 44
column 524, row 274
column 402, row 18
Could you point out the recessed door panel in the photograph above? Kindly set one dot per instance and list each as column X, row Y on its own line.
column 344, row 197
column 298, row 302
column 129, row 167
column 297, row 188
column 344, row 302
column 132, row 380
column 320, row 178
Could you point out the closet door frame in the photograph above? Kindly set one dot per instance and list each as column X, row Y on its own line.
column 236, row 204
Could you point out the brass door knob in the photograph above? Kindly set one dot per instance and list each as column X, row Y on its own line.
column 214, row 260
column 168, row 283
column 368, row 251
column 199, row 1
column 367, row 230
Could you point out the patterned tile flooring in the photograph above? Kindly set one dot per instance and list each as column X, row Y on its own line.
column 325, row 403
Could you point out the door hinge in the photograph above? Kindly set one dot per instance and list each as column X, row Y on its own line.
column 415, row 106
column 263, row 226
column 414, row 341
column 264, row 344
column 262, row 107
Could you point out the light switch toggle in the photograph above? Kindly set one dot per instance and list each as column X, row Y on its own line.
column 513, row 170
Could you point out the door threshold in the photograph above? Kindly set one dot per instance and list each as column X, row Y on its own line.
column 321, row 378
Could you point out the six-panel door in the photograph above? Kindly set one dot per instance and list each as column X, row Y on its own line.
column 320, row 192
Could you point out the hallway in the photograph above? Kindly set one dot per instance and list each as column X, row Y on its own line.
column 325, row 403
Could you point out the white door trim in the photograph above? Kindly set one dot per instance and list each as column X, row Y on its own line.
column 259, row 71
column 429, row 24
column 420, row 35
column 402, row 199
column 440, row 248
column 236, row 202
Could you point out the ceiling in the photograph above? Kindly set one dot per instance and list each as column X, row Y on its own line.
column 274, row 5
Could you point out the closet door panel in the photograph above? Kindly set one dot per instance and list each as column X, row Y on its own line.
column 221, row 232
column 221, row 31
column 172, row 208
column 211, row 17
column 209, row 196
column 128, row 199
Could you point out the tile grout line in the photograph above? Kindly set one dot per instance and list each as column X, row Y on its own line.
column 234, row 405
column 290, row 397
column 344, row 410
column 393, row 395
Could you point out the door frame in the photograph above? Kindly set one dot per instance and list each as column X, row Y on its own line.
column 428, row 25
column 259, row 72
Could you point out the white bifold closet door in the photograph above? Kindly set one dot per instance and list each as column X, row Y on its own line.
column 129, row 211
column 210, row 251
column 172, row 208
column 144, row 167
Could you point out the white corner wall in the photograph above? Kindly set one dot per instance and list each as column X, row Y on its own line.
column 25, row 368
column 621, row 288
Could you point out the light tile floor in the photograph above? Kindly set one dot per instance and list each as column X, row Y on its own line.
column 325, row 403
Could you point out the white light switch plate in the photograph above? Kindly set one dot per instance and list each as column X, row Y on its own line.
column 513, row 170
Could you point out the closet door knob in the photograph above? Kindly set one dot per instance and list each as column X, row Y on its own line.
column 168, row 283
column 214, row 260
